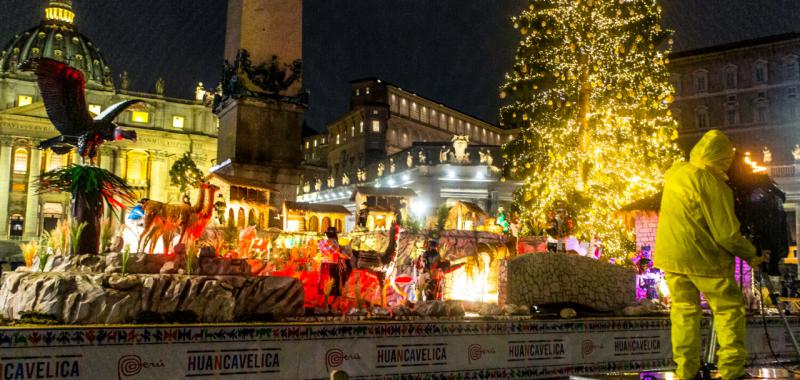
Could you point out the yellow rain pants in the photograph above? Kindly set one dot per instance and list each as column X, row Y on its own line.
column 696, row 241
column 727, row 304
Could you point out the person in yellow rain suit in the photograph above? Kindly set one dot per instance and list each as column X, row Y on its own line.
column 696, row 241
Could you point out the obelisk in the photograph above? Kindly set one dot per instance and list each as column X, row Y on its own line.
column 260, row 128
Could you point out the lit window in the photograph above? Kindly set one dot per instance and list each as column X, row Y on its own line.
column 177, row 121
column 376, row 126
column 352, row 130
column 361, row 127
column 95, row 109
column 24, row 100
column 136, row 173
column 315, row 143
column 21, row 161
column 55, row 161
column 358, row 92
column 140, row 117
column 367, row 90
column 337, row 139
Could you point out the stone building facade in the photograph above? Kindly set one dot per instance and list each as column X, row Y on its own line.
column 394, row 138
column 166, row 127
column 749, row 90
column 383, row 120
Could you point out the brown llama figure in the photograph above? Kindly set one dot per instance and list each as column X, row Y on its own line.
column 380, row 265
column 164, row 220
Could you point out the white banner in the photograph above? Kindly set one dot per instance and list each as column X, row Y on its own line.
column 516, row 349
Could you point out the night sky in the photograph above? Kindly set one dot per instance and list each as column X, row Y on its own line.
column 454, row 51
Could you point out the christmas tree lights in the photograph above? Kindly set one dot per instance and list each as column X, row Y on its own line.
column 589, row 92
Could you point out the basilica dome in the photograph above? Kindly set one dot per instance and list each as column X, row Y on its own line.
column 57, row 38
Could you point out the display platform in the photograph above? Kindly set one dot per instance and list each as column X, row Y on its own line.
column 442, row 349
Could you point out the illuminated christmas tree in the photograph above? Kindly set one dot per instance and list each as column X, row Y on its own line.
column 589, row 92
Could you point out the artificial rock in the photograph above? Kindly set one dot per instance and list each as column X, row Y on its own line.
column 556, row 278
column 98, row 298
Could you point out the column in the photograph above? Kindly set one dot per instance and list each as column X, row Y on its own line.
column 5, row 183
column 158, row 176
column 119, row 162
column 32, row 204
column 119, row 169
column 107, row 163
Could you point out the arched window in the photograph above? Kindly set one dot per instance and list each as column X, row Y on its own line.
column 240, row 218
column 136, row 173
column 313, row 224
column 326, row 222
column 231, row 217
column 251, row 218
column 339, row 225
column 21, row 161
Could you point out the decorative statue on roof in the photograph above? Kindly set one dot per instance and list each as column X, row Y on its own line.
column 160, row 86
column 486, row 157
column 796, row 152
column 123, row 81
column 331, row 182
column 306, row 187
column 381, row 168
column 345, row 179
column 409, row 160
column 767, row 155
column 443, row 153
column 392, row 166
column 422, row 157
column 318, row 184
column 362, row 175
column 460, row 144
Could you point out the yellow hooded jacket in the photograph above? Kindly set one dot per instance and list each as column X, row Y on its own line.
column 698, row 232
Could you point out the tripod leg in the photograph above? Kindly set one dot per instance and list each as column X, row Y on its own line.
column 776, row 301
column 710, row 356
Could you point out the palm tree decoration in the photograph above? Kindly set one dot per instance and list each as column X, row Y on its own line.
column 91, row 189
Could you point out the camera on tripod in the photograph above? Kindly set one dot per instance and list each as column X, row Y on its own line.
column 758, row 203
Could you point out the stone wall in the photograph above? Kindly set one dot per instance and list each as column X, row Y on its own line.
column 556, row 278
column 645, row 226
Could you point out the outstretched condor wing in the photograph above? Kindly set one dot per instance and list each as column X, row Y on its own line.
column 111, row 113
column 62, row 88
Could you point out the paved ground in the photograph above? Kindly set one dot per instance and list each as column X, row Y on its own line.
column 755, row 373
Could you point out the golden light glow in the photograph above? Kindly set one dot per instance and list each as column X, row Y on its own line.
column 59, row 14
column 756, row 167
column 472, row 282
column 21, row 161
column 95, row 109
column 178, row 121
column 293, row 226
column 24, row 100
column 140, row 117
column 591, row 104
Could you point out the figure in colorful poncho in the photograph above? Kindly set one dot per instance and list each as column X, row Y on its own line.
column 334, row 266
